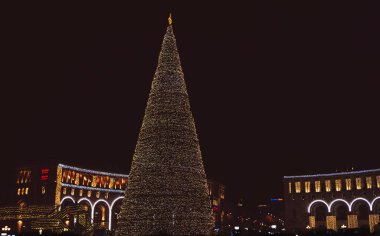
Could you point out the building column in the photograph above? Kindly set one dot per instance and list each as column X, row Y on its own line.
column 373, row 221
column 312, row 222
column 352, row 221
column 331, row 222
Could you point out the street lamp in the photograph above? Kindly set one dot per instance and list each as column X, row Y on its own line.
column 6, row 228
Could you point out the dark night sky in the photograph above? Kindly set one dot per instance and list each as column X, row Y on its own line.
column 276, row 88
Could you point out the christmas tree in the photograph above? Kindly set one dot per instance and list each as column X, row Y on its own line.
column 167, row 185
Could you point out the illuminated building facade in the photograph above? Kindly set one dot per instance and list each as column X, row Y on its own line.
column 217, row 195
column 332, row 201
column 61, row 186
column 65, row 191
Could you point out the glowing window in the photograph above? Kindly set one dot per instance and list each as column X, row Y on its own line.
column 26, row 191
column 317, row 186
column 72, row 180
column 98, row 194
column 81, row 192
column 64, row 190
column 338, row 185
column 298, row 187
column 94, row 181
column 106, row 196
column 328, row 185
column 221, row 192
column 89, row 193
column 111, row 184
column 22, row 191
column 18, row 191
column 358, row 183
column 72, row 192
column 43, row 190
column 102, row 182
column 378, row 181
column 77, row 179
column 348, row 184
column 368, row 181
column 307, row 187
column 290, row 187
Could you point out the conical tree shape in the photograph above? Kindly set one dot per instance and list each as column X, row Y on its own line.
column 167, row 185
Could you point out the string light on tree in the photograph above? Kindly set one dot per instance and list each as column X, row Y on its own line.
column 167, row 186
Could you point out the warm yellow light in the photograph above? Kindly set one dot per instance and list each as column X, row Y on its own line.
column 59, row 179
column 348, row 184
column 298, row 187
column 317, row 186
column 307, row 187
column 167, row 162
column 338, row 185
column 368, row 182
column 170, row 19
column 358, row 183
column 328, row 185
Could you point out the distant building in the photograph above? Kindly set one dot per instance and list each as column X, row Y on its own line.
column 217, row 196
column 276, row 207
column 60, row 197
column 59, row 186
column 269, row 217
column 332, row 201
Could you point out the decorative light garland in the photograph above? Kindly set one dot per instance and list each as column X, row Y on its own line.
column 92, row 188
column 94, row 172
column 349, row 205
column 333, row 174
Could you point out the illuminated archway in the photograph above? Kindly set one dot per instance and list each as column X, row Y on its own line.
column 374, row 202
column 315, row 202
column 114, row 201
column 360, row 199
column 88, row 201
column 93, row 210
column 337, row 201
column 111, row 209
column 64, row 199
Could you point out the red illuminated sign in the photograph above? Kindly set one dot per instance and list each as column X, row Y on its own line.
column 44, row 174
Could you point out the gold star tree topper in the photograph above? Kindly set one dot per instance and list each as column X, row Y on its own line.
column 170, row 19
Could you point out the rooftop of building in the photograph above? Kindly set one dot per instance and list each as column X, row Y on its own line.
column 358, row 172
column 92, row 171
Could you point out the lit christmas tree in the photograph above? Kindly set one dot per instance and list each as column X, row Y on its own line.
column 167, row 185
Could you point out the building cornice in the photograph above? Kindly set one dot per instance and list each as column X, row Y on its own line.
column 333, row 174
column 94, row 172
